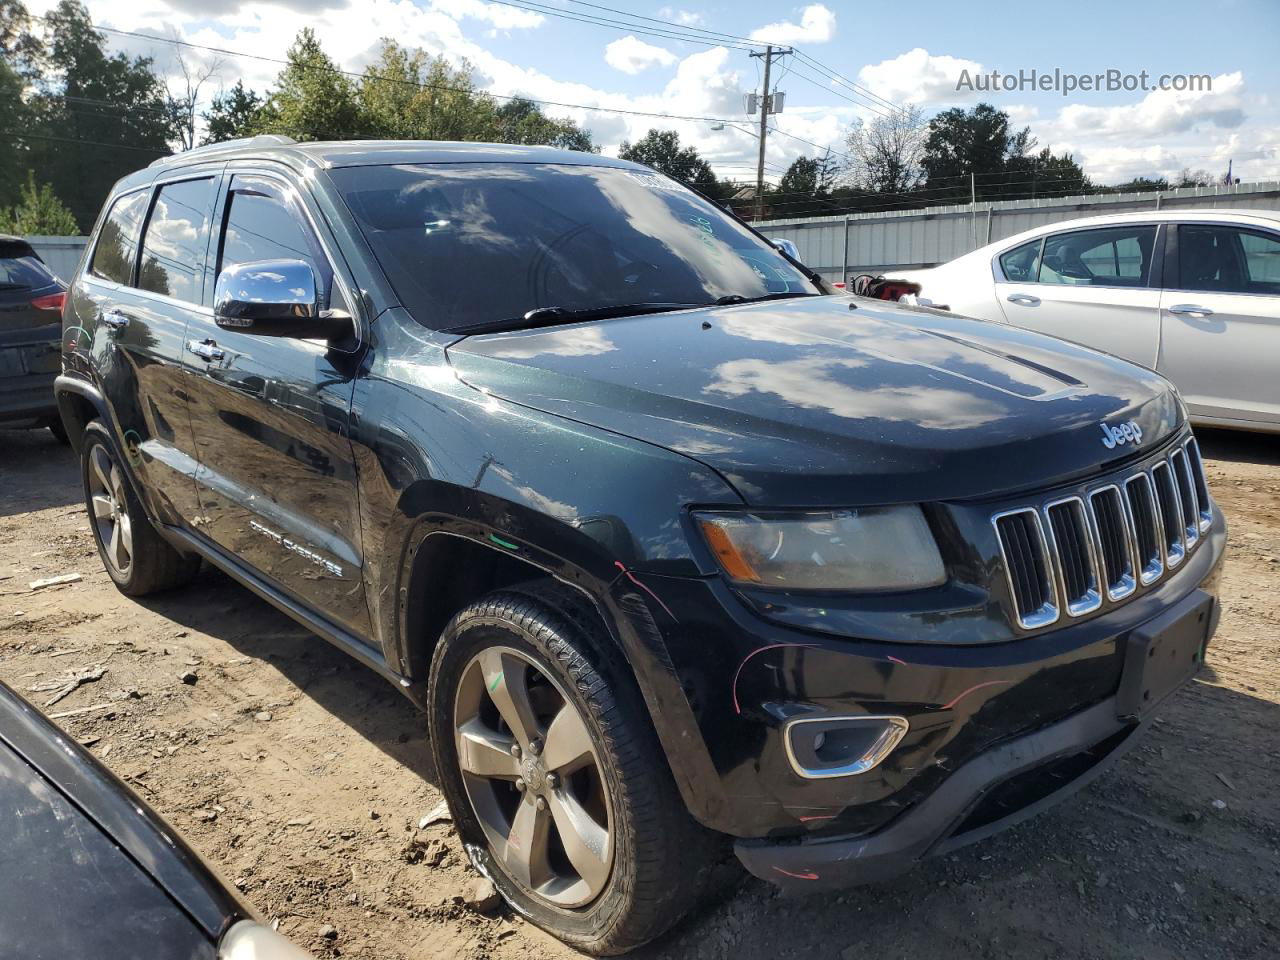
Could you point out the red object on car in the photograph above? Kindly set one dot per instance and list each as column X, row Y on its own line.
column 52, row 301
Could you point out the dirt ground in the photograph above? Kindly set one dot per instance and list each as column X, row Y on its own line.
column 302, row 776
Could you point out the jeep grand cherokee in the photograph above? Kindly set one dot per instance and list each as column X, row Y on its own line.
column 671, row 542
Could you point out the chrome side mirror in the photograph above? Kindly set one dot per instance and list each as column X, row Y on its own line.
column 275, row 298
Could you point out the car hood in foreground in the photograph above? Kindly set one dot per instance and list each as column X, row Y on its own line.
column 835, row 400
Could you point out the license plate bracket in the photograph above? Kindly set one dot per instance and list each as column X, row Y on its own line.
column 1162, row 654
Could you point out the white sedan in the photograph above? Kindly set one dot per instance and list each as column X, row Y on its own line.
column 1192, row 294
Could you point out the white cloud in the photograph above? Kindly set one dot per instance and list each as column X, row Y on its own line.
column 631, row 55
column 1162, row 112
column 918, row 76
column 817, row 25
column 686, row 18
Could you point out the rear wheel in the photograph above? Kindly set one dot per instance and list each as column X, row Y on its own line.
column 134, row 555
column 555, row 778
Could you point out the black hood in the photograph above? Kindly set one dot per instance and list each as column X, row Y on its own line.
column 837, row 401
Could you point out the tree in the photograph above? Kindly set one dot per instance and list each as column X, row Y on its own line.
column 888, row 152
column 313, row 99
column 38, row 212
column 962, row 143
column 184, row 100
column 1195, row 178
column 233, row 113
column 661, row 150
column 522, row 121
column 95, row 117
column 1044, row 174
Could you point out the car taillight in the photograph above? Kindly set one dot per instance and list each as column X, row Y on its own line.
column 52, row 301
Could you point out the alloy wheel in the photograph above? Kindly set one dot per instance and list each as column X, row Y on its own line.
column 533, row 777
column 110, row 512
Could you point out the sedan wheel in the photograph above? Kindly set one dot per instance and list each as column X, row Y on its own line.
column 533, row 777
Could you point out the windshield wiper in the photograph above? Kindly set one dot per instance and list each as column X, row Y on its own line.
column 732, row 298
column 552, row 316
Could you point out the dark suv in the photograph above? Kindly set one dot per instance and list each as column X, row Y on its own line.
column 670, row 541
column 31, row 300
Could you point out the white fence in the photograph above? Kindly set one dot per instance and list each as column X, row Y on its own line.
column 875, row 242
column 62, row 254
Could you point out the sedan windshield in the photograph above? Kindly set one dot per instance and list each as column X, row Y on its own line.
column 470, row 244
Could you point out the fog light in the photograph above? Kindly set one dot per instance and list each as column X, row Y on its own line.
column 820, row 747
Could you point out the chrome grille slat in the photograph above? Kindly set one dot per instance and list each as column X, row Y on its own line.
column 1071, row 542
column 1075, row 553
column 1173, row 539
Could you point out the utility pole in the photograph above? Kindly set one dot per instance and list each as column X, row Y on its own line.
column 766, row 108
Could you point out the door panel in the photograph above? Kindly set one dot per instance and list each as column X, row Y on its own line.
column 1220, row 322
column 135, row 344
column 277, row 479
column 1090, row 286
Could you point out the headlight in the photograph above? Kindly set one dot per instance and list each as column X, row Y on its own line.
column 879, row 548
column 248, row 940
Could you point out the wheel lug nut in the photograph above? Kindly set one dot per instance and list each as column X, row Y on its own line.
column 542, row 803
column 515, row 749
column 553, row 781
column 535, row 747
column 520, row 784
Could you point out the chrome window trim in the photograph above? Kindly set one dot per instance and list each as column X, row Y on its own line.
column 1092, row 599
column 898, row 727
column 1128, row 581
column 1049, row 612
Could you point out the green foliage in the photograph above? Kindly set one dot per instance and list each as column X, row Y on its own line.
column 233, row 113
column 38, row 212
column 522, row 121
column 313, row 99
column 661, row 150
column 92, row 118
column 979, row 142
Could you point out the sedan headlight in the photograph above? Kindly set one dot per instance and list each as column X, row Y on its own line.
column 874, row 549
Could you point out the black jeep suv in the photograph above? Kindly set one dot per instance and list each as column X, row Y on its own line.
column 670, row 541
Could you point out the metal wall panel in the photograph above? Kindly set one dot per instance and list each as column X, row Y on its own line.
column 924, row 238
column 62, row 254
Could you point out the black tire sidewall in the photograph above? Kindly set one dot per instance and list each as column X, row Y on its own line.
column 467, row 636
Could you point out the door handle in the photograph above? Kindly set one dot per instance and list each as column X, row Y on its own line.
column 206, row 350
column 1026, row 299
column 1190, row 310
column 114, row 319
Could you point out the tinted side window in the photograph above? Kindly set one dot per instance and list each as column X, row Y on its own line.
column 1228, row 260
column 262, row 225
column 177, row 237
column 118, row 239
column 1021, row 264
column 1112, row 256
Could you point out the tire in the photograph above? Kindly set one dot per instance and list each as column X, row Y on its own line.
column 59, row 432
column 147, row 563
column 659, row 857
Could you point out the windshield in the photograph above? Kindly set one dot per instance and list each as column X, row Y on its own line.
column 467, row 244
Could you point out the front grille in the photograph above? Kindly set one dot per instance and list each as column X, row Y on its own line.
column 1069, row 552
column 1027, row 560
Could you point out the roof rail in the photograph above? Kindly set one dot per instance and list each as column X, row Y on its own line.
column 262, row 140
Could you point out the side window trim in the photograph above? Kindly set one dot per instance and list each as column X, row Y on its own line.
column 179, row 177
column 88, row 273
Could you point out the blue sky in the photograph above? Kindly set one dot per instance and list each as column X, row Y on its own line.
column 903, row 55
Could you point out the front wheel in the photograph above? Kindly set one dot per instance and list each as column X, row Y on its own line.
column 554, row 776
column 137, row 559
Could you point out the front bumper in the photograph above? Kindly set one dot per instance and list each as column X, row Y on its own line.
column 999, row 787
